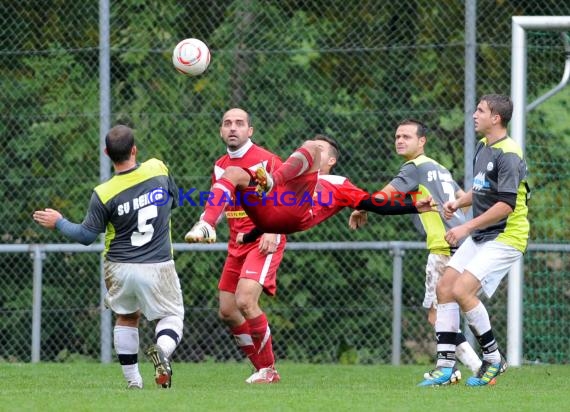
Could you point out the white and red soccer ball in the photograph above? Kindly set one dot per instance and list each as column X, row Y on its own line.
column 191, row 57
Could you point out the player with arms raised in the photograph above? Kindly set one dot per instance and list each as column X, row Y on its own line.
column 133, row 210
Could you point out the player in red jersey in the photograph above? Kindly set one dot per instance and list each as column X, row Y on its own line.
column 249, row 269
column 295, row 197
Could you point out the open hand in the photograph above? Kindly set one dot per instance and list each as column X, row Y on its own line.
column 47, row 217
column 357, row 219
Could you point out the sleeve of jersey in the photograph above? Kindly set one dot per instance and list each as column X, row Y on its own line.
column 406, row 180
column 509, row 175
column 511, row 172
column 76, row 232
column 97, row 217
column 345, row 193
column 382, row 207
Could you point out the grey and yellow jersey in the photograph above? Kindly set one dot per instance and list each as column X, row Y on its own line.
column 498, row 169
column 429, row 178
column 133, row 209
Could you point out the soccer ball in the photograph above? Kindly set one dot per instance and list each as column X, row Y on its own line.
column 191, row 57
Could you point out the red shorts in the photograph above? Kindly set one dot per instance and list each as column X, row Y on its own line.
column 252, row 265
column 287, row 208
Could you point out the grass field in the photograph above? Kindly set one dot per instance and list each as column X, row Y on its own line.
column 221, row 387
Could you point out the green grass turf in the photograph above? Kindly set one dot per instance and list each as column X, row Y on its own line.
column 220, row 387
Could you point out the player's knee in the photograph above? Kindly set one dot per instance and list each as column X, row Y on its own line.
column 238, row 176
column 465, row 288
column 243, row 302
column 446, row 284
column 232, row 170
column 444, row 291
column 312, row 153
column 235, row 174
column 224, row 315
column 129, row 319
column 229, row 315
column 246, row 304
column 460, row 293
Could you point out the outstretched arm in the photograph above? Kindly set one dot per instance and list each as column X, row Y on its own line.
column 359, row 217
column 399, row 207
column 52, row 219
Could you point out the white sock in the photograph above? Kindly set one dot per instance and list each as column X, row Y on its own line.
column 467, row 356
column 169, row 332
column 126, row 342
column 478, row 318
column 447, row 320
column 132, row 373
column 479, row 321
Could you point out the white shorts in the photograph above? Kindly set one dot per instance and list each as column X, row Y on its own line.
column 434, row 269
column 487, row 261
column 152, row 288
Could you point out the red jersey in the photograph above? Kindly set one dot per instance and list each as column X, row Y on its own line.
column 304, row 202
column 332, row 194
column 254, row 157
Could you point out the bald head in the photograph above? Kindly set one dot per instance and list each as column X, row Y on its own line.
column 236, row 128
column 236, row 112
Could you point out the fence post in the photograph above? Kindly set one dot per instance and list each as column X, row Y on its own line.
column 38, row 256
column 106, row 319
column 104, row 161
column 397, row 276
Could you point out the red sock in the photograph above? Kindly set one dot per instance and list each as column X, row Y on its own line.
column 221, row 193
column 297, row 164
column 261, row 335
column 242, row 336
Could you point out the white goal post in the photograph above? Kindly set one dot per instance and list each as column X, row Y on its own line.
column 518, row 129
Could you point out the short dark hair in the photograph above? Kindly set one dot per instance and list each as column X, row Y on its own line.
column 422, row 128
column 334, row 148
column 500, row 104
column 119, row 143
